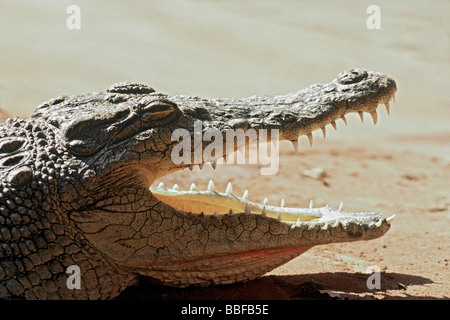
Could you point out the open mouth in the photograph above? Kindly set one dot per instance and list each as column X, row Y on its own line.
column 214, row 202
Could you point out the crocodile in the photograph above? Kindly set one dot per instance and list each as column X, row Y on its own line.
column 81, row 219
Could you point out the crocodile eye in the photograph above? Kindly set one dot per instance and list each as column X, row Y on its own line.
column 158, row 112
column 352, row 76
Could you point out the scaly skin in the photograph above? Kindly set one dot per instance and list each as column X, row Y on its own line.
column 75, row 191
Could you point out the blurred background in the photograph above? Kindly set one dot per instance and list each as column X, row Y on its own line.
column 235, row 49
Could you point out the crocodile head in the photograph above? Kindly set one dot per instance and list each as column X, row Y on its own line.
column 122, row 140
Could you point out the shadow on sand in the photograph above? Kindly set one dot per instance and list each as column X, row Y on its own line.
column 292, row 287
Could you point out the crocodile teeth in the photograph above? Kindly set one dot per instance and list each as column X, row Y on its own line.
column 263, row 212
column 388, row 108
column 361, row 116
column 374, row 116
column 333, row 123
column 229, row 189
column 379, row 223
column 176, row 187
column 279, row 217
column 388, row 220
column 193, row 187
column 282, row 203
column 310, row 138
column 340, row 206
column 211, row 186
column 231, row 212
column 324, row 132
column 295, row 144
column 161, row 185
column 336, row 224
column 247, row 208
column 266, row 201
column 245, row 195
column 311, row 204
column 343, row 119
column 325, row 227
column 298, row 223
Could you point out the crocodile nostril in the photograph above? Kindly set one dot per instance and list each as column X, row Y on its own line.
column 352, row 76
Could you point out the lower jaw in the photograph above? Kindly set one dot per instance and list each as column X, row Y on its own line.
column 225, row 269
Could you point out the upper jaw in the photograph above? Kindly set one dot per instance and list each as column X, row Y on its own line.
column 295, row 114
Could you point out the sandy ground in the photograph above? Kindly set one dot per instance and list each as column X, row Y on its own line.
column 400, row 166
